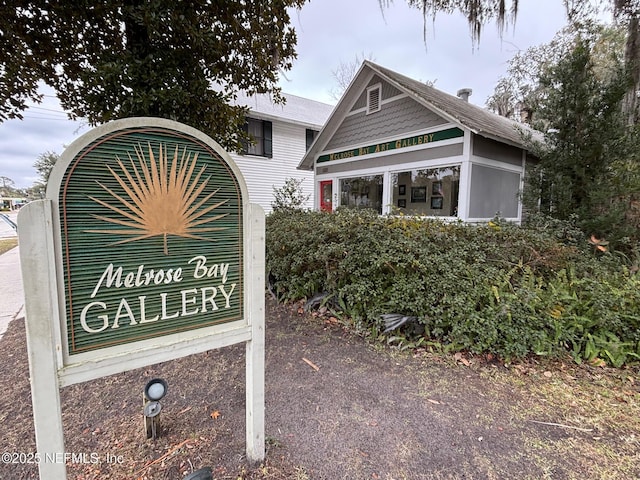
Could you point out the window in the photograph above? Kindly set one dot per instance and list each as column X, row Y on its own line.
column 261, row 141
column 310, row 137
column 493, row 192
column 373, row 99
column 432, row 191
column 362, row 192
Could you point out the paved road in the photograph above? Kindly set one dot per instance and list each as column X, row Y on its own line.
column 11, row 295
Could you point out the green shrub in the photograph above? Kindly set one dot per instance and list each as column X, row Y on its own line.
column 499, row 288
column 290, row 196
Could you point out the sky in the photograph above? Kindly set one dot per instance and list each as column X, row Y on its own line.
column 330, row 32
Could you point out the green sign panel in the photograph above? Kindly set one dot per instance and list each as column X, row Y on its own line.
column 152, row 241
column 394, row 145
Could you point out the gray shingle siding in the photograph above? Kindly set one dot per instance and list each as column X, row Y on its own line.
column 361, row 102
column 388, row 91
column 395, row 118
column 487, row 148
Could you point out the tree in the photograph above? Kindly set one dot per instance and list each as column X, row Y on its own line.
column 481, row 12
column 8, row 189
column 477, row 12
column 627, row 12
column 113, row 59
column 6, row 182
column 44, row 164
column 344, row 73
column 290, row 196
column 504, row 101
column 36, row 191
column 588, row 163
column 517, row 94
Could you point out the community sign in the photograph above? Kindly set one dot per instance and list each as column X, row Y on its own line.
column 145, row 249
column 151, row 227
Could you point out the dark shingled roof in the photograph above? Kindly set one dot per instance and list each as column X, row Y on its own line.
column 477, row 119
column 455, row 110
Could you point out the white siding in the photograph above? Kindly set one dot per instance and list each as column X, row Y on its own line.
column 263, row 174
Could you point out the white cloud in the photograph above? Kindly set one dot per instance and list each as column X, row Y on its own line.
column 334, row 31
column 45, row 128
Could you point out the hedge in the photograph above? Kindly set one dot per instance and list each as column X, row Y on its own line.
column 496, row 288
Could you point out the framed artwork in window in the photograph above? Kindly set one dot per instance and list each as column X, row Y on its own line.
column 436, row 188
column 402, row 189
column 402, row 203
column 418, row 194
column 436, row 203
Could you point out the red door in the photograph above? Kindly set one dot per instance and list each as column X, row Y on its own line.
column 326, row 193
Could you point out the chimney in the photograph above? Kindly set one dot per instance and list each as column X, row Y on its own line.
column 464, row 94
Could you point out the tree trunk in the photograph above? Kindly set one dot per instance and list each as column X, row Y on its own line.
column 632, row 61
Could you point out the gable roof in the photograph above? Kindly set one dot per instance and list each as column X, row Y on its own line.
column 298, row 110
column 454, row 109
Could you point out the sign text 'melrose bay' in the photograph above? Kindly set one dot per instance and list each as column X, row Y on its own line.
column 183, row 303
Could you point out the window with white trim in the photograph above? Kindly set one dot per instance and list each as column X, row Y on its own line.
column 428, row 191
column 362, row 192
column 373, row 98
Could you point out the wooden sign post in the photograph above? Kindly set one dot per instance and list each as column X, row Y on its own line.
column 146, row 249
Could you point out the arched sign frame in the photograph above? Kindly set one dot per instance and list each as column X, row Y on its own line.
column 203, row 317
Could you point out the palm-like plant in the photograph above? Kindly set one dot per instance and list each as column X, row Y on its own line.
column 161, row 198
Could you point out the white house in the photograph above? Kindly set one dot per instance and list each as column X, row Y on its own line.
column 396, row 143
column 282, row 134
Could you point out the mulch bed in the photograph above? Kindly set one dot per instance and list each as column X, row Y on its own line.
column 336, row 407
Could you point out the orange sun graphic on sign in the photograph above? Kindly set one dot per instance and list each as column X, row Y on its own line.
column 162, row 198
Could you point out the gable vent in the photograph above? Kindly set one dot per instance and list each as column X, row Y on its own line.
column 373, row 99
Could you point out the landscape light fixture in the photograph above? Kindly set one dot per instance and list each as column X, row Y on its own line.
column 154, row 391
column 201, row 474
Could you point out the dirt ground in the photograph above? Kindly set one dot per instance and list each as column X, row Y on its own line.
column 338, row 407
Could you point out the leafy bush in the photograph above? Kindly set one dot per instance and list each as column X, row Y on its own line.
column 497, row 288
column 289, row 196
